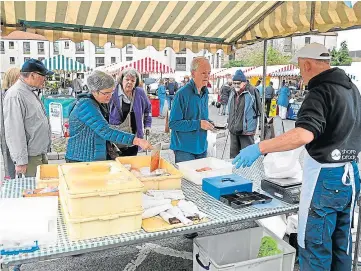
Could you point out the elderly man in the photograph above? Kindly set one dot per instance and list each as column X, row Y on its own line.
column 27, row 128
column 329, row 124
column 244, row 110
column 189, row 115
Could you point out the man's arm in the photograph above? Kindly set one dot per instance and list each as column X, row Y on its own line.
column 290, row 140
column 15, row 130
column 177, row 121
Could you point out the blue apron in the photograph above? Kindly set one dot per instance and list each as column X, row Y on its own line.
column 311, row 171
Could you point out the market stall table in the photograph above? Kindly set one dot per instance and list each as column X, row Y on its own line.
column 219, row 215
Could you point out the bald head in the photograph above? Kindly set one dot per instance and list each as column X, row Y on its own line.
column 200, row 70
column 310, row 68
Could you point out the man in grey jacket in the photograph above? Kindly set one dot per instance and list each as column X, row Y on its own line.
column 27, row 128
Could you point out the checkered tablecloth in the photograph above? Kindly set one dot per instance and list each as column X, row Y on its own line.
column 219, row 215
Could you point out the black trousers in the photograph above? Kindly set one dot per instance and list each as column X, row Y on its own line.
column 268, row 104
column 239, row 142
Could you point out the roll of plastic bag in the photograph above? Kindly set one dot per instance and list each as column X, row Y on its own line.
column 283, row 164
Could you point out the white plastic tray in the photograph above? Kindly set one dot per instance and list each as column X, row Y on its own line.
column 219, row 167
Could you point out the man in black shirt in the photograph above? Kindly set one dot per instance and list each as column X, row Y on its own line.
column 329, row 124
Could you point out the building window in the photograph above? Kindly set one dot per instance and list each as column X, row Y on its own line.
column 11, row 45
column 99, row 61
column 217, row 61
column 287, row 46
column 26, row 47
column 56, row 48
column 2, row 47
column 307, row 40
column 79, row 48
column 112, row 45
column 41, row 58
column 129, row 49
column 26, row 59
column 212, row 59
column 41, row 50
column 66, row 46
column 129, row 58
column 80, row 59
column 12, row 60
column 113, row 60
column 181, row 64
column 165, row 52
column 99, row 50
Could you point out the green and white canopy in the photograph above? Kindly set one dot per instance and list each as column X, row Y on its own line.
column 62, row 63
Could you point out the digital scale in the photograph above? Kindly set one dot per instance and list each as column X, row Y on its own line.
column 287, row 190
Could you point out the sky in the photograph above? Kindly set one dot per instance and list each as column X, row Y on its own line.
column 353, row 38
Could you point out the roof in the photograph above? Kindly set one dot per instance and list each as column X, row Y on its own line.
column 20, row 35
column 195, row 25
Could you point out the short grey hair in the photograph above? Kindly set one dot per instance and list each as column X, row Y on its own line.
column 99, row 80
column 25, row 74
column 130, row 72
column 195, row 62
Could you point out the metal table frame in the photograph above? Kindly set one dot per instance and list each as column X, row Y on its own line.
column 219, row 214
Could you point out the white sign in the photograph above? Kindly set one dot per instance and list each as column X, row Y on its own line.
column 56, row 118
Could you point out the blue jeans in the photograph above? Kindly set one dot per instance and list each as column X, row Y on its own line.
column 328, row 224
column 170, row 100
column 181, row 156
column 161, row 106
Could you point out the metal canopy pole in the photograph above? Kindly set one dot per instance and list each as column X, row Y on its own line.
column 262, row 122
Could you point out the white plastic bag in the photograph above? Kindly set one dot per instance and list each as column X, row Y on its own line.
column 283, row 164
column 212, row 140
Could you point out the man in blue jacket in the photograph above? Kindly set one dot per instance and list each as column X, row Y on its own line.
column 189, row 115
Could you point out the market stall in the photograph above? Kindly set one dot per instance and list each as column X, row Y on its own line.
column 218, row 31
column 218, row 213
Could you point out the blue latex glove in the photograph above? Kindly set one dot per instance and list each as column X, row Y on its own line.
column 247, row 156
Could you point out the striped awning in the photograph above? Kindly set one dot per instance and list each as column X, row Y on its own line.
column 62, row 63
column 230, row 71
column 145, row 66
column 284, row 70
column 258, row 72
column 195, row 25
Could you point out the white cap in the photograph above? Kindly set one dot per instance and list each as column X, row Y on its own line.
column 313, row 51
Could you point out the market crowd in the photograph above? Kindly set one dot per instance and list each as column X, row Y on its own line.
column 113, row 117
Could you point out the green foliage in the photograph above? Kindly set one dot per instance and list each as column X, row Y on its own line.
column 235, row 63
column 274, row 57
column 268, row 247
column 341, row 57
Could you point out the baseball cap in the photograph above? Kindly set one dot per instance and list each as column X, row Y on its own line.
column 34, row 65
column 312, row 51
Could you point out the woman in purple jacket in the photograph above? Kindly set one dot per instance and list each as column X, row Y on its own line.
column 130, row 109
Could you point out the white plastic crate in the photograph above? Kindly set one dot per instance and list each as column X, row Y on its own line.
column 93, row 227
column 237, row 251
column 219, row 167
column 99, row 189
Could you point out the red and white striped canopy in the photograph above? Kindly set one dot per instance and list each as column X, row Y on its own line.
column 283, row 70
column 147, row 65
column 224, row 72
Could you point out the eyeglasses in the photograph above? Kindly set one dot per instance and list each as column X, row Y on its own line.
column 106, row 93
